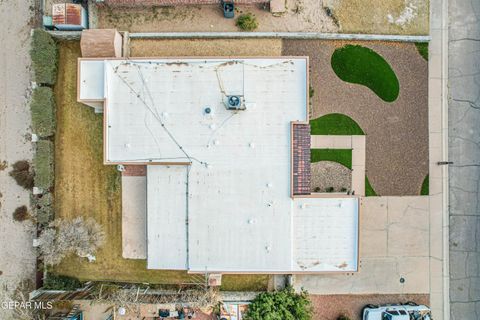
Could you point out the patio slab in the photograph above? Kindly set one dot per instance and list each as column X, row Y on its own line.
column 134, row 217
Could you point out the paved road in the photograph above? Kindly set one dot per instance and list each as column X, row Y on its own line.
column 464, row 151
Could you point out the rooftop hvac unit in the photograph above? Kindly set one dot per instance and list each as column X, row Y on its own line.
column 235, row 102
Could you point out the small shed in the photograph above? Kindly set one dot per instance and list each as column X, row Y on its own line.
column 101, row 43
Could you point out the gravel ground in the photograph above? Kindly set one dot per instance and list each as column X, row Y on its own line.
column 17, row 257
column 301, row 15
column 330, row 307
column 397, row 133
column 326, row 174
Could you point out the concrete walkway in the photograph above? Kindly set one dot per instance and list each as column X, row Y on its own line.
column 357, row 144
column 464, row 151
column 438, row 128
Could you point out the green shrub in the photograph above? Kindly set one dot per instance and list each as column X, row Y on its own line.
column 22, row 174
column 58, row 282
column 42, row 108
column 361, row 65
column 21, row 214
column 285, row 304
column 247, row 22
column 43, row 208
column 43, row 164
column 44, row 57
column 343, row 317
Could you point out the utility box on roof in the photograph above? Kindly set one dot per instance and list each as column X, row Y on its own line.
column 105, row 43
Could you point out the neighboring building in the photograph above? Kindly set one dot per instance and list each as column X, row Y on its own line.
column 226, row 146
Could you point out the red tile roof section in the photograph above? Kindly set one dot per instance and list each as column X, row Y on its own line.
column 135, row 171
column 301, row 159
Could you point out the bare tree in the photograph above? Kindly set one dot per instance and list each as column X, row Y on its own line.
column 63, row 237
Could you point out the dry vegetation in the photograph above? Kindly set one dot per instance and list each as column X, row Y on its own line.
column 85, row 187
column 204, row 47
column 379, row 16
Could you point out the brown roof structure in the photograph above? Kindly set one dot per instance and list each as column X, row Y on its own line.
column 101, row 43
column 301, row 159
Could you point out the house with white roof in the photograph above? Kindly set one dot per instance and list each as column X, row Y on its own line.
column 215, row 154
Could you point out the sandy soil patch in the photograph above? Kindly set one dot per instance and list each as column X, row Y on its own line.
column 329, row 174
column 397, row 133
column 380, row 16
column 199, row 47
column 301, row 15
column 353, row 16
column 17, row 257
column 329, row 307
column 84, row 186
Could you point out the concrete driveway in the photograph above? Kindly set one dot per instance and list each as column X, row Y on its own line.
column 394, row 245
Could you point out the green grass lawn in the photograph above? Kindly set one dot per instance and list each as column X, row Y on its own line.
column 425, row 191
column 335, row 124
column 361, row 65
column 422, row 48
column 369, row 191
column 342, row 156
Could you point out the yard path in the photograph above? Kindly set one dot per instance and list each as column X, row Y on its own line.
column 17, row 257
column 397, row 132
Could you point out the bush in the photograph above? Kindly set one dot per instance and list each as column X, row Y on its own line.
column 22, row 175
column 247, row 22
column 63, row 237
column 329, row 189
column 44, row 57
column 285, row 304
column 58, row 282
column 43, row 165
column 42, row 108
column 43, row 208
column 21, row 214
column 343, row 317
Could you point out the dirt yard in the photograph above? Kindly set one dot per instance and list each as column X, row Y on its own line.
column 380, row 16
column 84, row 186
column 218, row 47
column 347, row 16
column 17, row 256
column 330, row 307
column 397, row 132
column 301, row 15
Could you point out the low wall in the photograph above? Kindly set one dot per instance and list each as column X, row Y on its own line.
column 133, row 3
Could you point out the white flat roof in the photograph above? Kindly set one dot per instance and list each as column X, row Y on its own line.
column 166, row 217
column 228, row 207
